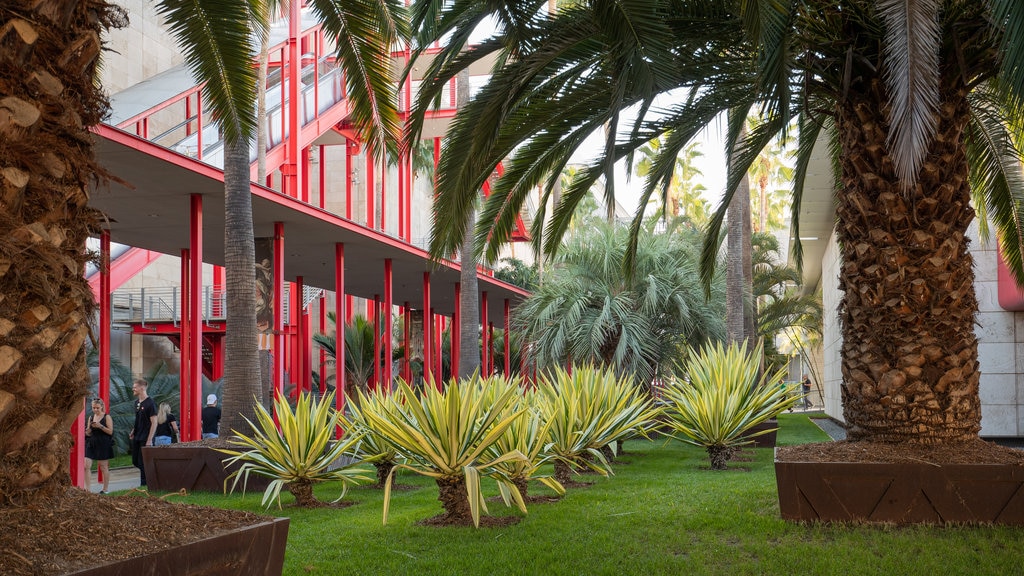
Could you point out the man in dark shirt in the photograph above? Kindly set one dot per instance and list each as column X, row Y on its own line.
column 144, row 428
column 211, row 417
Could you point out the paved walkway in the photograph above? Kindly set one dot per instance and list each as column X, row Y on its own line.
column 120, row 479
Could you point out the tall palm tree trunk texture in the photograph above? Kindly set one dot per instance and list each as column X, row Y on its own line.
column 242, row 387
column 909, row 354
column 469, row 300
column 48, row 56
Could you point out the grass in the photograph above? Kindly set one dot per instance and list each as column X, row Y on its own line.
column 663, row 512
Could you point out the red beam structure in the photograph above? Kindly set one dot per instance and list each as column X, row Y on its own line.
column 184, row 332
column 456, row 335
column 427, row 344
column 508, row 339
column 195, row 342
column 484, row 360
column 339, row 331
column 279, row 307
column 292, row 184
column 387, row 323
column 376, row 342
column 104, row 299
column 322, row 355
column 406, row 329
column 371, row 193
column 78, row 470
column 295, row 321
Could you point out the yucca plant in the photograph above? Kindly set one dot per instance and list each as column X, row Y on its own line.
column 373, row 447
column 530, row 436
column 724, row 399
column 445, row 434
column 297, row 455
column 587, row 410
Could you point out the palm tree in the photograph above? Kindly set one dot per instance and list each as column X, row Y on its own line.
column 770, row 171
column 363, row 31
column 358, row 364
column 683, row 196
column 921, row 102
column 587, row 310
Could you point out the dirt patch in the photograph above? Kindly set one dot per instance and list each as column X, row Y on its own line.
column 95, row 529
column 971, row 452
column 576, row 484
column 485, row 521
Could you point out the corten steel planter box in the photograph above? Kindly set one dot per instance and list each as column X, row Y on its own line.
column 765, row 440
column 256, row 550
column 904, row 493
column 192, row 468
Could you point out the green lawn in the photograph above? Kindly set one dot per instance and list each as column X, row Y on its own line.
column 662, row 513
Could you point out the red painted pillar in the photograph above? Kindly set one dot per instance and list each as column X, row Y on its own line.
column 218, row 292
column 388, row 346
column 371, row 194
column 304, row 171
column 296, row 324
column 401, row 195
column 322, row 180
column 508, row 341
column 292, row 184
column 104, row 351
column 340, row 313
column 490, row 349
column 456, row 334
column 322, row 360
column 348, row 181
column 483, row 335
column 406, row 328
column 78, row 470
column 196, row 312
column 185, row 333
column 427, row 345
column 349, row 309
column 376, row 341
column 279, row 336
column 383, row 226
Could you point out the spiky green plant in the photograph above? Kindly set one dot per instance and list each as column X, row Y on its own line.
column 530, row 435
column 445, row 434
column 587, row 410
column 296, row 452
column 724, row 399
column 373, row 447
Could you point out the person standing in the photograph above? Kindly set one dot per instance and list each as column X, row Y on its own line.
column 166, row 426
column 99, row 444
column 806, row 384
column 211, row 418
column 144, row 428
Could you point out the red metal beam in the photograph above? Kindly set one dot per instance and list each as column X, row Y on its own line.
column 196, row 310
column 427, row 346
column 508, row 340
column 184, row 352
column 483, row 331
column 340, row 313
column 456, row 334
column 278, row 307
column 376, row 342
column 104, row 300
column 123, row 269
column 387, row 323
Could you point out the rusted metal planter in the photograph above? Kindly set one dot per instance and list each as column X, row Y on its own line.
column 904, row 493
column 765, row 440
column 189, row 467
column 256, row 550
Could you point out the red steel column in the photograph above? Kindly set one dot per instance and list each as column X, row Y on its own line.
column 185, row 333
column 406, row 328
column 348, row 181
column 401, row 195
column 297, row 347
column 292, row 184
column 322, row 360
column 388, row 346
column 427, row 345
column 105, row 317
column 456, row 334
column 508, row 341
column 371, row 194
column 376, row 342
column 279, row 307
column 340, row 314
column 196, row 311
column 322, row 180
column 383, row 193
column 483, row 332
column 78, row 470
column 490, row 348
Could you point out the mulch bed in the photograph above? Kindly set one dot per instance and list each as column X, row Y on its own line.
column 442, row 520
column 971, row 452
column 77, row 530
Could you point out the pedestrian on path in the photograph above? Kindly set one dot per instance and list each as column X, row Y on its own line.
column 807, row 392
column 144, row 428
column 166, row 426
column 99, row 444
column 211, row 418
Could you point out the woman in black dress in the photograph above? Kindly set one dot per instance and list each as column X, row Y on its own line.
column 99, row 443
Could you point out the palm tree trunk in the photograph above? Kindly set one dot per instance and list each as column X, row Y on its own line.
column 48, row 58
column 909, row 353
column 735, row 273
column 469, row 303
column 453, row 497
column 242, row 364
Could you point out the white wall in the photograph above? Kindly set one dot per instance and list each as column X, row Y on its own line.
column 1000, row 344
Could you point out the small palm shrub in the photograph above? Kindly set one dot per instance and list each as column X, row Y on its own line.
column 588, row 410
column 723, row 399
column 445, row 434
column 297, row 455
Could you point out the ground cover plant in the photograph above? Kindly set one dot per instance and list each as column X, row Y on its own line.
column 660, row 514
